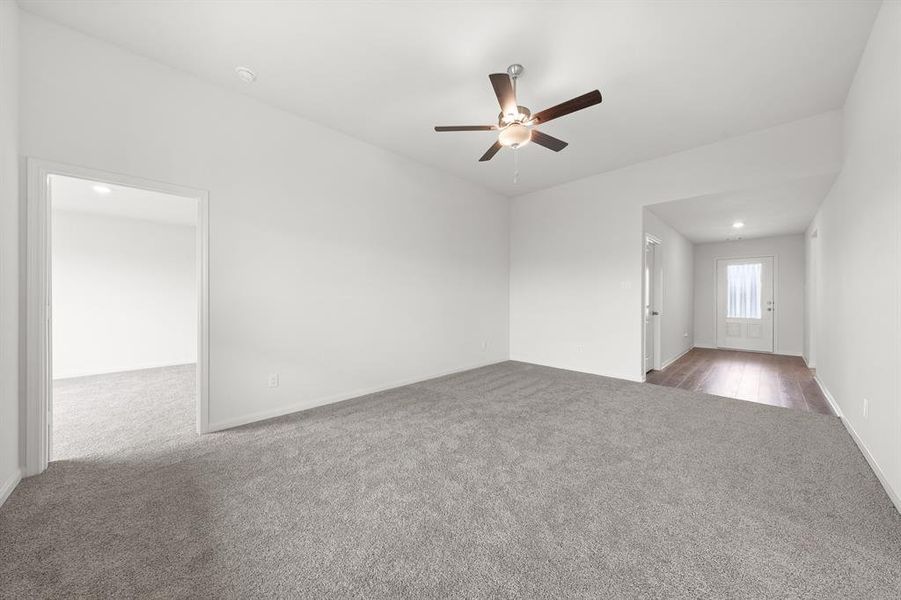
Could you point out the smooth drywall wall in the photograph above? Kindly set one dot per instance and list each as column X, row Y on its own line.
column 9, row 250
column 576, row 249
column 124, row 294
column 342, row 267
column 858, row 253
column 788, row 251
column 812, row 294
column 674, row 258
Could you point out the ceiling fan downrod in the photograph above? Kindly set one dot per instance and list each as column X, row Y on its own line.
column 515, row 71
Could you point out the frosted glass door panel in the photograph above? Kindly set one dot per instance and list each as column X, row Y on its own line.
column 743, row 289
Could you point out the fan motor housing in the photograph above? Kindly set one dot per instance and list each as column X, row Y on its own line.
column 523, row 116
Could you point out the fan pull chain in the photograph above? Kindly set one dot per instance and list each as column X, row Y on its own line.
column 515, row 166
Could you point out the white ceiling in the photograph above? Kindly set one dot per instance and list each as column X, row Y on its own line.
column 779, row 210
column 78, row 195
column 673, row 75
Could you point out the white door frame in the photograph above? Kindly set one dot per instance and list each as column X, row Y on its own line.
column 38, row 338
column 716, row 298
column 658, row 289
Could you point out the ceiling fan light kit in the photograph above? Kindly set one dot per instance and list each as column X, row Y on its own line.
column 516, row 125
column 515, row 135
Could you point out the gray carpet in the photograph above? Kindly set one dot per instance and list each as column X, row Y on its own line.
column 510, row 481
column 105, row 415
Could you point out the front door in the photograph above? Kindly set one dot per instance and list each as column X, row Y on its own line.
column 745, row 304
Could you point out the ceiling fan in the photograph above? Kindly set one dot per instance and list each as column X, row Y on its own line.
column 515, row 123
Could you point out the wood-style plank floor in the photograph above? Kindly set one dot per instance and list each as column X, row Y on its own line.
column 766, row 378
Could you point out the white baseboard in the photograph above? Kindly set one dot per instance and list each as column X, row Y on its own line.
column 715, row 347
column 579, row 369
column 672, row 360
column 830, row 399
column 293, row 408
column 125, row 369
column 894, row 496
column 7, row 487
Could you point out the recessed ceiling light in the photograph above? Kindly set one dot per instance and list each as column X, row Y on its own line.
column 738, row 225
column 102, row 189
column 245, row 74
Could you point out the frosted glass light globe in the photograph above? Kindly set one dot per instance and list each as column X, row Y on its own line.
column 514, row 135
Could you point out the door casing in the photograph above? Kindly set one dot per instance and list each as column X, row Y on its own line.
column 657, row 282
column 38, row 318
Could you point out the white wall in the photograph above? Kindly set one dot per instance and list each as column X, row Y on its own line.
column 675, row 265
column 811, row 296
column 342, row 267
column 789, row 293
column 9, row 250
column 124, row 294
column 576, row 249
column 858, row 328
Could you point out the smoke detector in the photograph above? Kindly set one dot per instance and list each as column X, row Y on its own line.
column 245, row 74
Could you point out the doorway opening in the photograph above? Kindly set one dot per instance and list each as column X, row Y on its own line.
column 119, row 358
column 734, row 299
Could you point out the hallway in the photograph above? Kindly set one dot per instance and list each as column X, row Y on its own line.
column 772, row 379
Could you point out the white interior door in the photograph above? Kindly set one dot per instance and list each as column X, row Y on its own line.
column 650, row 340
column 745, row 306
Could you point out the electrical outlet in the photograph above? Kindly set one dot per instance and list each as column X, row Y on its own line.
column 685, row 334
column 484, row 344
column 273, row 379
column 866, row 408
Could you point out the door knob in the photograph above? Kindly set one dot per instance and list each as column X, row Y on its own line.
column 654, row 313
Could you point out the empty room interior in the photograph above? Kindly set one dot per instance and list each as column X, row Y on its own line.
column 123, row 268
column 450, row 299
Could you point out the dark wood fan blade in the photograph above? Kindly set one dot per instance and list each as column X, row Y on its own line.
column 503, row 89
column 570, row 106
column 548, row 141
column 466, row 128
column 491, row 152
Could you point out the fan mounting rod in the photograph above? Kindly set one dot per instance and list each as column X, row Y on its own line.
column 515, row 71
